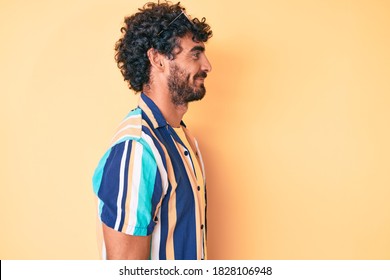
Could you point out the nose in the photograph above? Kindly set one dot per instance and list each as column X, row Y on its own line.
column 206, row 65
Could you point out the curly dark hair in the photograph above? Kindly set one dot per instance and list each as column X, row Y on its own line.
column 152, row 27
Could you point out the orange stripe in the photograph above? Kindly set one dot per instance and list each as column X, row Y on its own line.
column 191, row 141
column 127, row 132
column 172, row 218
column 133, row 120
column 148, row 112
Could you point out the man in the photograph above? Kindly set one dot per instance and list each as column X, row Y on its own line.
column 150, row 183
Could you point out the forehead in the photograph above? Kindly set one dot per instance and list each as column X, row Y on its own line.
column 186, row 43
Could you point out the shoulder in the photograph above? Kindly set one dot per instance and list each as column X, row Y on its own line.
column 136, row 128
column 135, row 135
column 129, row 129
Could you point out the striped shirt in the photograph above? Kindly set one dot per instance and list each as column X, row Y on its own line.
column 151, row 181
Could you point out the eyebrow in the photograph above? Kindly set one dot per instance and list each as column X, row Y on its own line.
column 197, row 48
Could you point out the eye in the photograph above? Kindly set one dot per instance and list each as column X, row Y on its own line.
column 196, row 55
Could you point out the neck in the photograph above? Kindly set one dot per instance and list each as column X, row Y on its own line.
column 172, row 113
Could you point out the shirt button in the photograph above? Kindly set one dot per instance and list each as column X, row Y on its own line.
column 186, row 153
column 198, row 188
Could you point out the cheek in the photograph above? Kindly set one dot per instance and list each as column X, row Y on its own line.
column 192, row 68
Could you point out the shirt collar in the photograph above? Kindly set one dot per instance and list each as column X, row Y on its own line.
column 152, row 111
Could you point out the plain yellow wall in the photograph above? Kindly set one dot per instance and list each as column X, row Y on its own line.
column 294, row 127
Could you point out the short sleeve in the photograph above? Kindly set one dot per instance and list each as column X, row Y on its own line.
column 128, row 185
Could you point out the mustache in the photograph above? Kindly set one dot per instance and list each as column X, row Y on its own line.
column 201, row 74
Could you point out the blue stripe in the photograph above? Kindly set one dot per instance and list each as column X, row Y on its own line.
column 156, row 143
column 157, row 193
column 98, row 174
column 164, row 225
column 109, row 187
column 185, row 230
column 178, row 139
column 155, row 111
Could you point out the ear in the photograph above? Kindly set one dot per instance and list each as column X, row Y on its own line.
column 156, row 59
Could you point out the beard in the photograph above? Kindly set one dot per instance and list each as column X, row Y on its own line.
column 181, row 89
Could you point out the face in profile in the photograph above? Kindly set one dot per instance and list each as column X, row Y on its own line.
column 187, row 72
column 185, row 87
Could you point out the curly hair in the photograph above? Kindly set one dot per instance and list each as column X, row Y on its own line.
column 159, row 26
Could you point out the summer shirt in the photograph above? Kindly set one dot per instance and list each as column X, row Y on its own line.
column 152, row 181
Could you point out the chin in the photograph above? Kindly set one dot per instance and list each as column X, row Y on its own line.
column 199, row 96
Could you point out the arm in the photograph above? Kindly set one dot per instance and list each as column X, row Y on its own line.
column 127, row 234
column 121, row 246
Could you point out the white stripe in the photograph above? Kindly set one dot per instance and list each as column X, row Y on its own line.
column 135, row 181
column 121, row 185
column 160, row 164
column 124, row 128
column 98, row 208
column 156, row 237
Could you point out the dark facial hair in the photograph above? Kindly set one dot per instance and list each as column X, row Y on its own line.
column 180, row 86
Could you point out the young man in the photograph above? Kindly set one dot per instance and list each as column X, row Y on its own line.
column 151, row 183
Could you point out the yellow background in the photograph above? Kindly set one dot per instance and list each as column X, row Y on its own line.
column 294, row 127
